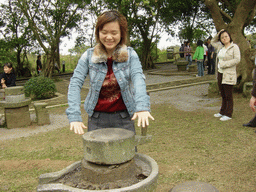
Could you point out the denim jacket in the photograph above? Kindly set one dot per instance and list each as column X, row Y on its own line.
column 127, row 70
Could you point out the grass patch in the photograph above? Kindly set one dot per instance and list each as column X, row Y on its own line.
column 186, row 145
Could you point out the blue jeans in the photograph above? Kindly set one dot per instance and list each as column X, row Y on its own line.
column 200, row 68
column 189, row 59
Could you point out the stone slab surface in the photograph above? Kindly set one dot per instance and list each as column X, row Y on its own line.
column 16, row 90
column 14, row 98
column 23, row 103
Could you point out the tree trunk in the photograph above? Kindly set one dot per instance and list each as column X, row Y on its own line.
column 19, row 63
column 146, row 58
column 49, row 63
column 245, row 67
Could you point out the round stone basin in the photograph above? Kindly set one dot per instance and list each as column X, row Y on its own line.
column 48, row 182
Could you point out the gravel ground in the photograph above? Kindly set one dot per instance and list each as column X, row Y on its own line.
column 57, row 121
column 186, row 99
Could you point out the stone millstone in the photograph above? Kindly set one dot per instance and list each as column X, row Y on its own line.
column 194, row 186
column 16, row 90
column 99, row 174
column 109, row 146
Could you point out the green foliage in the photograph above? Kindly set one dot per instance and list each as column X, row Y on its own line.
column 6, row 54
column 40, row 88
column 162, row 55
column 192, row 34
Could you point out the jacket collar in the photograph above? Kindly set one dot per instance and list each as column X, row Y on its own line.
column 231, row 45
column 100, row 55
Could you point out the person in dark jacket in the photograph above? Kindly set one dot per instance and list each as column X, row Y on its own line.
column 210, row 57
column 8, row 78
column 252, row 123
column 38, row 64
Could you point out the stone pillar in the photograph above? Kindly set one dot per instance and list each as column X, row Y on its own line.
column 182, row 64
column 16, row 107
column 1, row 94
column 42, row 114
column 247, row 89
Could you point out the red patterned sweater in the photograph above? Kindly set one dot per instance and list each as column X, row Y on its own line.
column 110, row 98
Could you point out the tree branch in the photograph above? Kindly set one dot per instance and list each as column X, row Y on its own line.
column 23, row 6
column 226, row 15
column 216, row 14
column 229, row 5
column 243, row 11
column 250, row 17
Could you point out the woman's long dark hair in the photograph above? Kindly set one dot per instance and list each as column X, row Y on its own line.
column 9, row 65
column 200, row 43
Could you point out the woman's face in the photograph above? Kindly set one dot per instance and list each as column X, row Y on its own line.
column 7, row 69
column 110, row 36
column 224, row 38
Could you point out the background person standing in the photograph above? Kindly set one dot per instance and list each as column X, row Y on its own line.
column 187, row 53
column 210, row 57
column 199, row 58
column 228, row 57
column 38, row 64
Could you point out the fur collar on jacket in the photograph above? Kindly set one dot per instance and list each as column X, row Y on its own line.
column 119, row 55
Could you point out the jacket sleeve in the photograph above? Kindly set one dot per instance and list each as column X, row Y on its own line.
column 232, row 62
column 141, row 98
column 216, row 43
column 76, row 82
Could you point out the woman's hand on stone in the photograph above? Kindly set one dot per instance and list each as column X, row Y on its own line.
column 77, row 127
column 142, row 118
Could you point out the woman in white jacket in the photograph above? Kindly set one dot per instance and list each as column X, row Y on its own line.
column 228, row 56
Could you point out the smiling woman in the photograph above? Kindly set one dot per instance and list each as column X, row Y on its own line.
column 113, row 67
column 110, row 36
